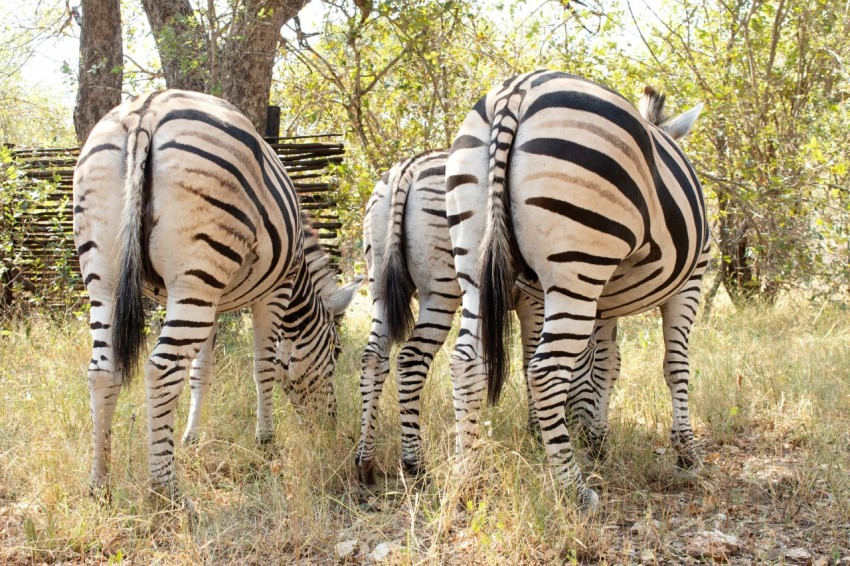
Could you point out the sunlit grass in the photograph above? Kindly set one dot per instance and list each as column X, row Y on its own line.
column 770, row 403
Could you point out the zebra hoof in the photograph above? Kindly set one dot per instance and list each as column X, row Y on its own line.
column 687, row 470
column 366, row 472
column 265, row 438
column 588, row 501
column 166, row 495
column 690, row 463
column 534, row 431
column 413, row 468
column 99, row 491
column 190, row 439
column 190, row 508
column 598, row 450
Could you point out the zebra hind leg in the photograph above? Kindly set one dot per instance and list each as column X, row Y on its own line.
column 581, row 399
column 530, row 314
column 605, row 372
column 375, row 368
column 414, row 359
column 567, row 330
column 200, row 380
column 269, row 347
column 104, row 385
column 186, row 329
column 677, row 319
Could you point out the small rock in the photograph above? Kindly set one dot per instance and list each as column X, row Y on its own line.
column 713, row 544
column 798, row 555
column 675, row 521
column 275, row 467
column 648, row 557
column 383, row 550
column 346, row 548
column 712, row 457
column 660, row 451
column 641, row 528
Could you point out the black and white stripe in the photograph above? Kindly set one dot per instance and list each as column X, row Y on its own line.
column 598, row 205
column 408, row 249
column 177, row 197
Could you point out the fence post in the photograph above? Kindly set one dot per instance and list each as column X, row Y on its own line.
column 272, row 122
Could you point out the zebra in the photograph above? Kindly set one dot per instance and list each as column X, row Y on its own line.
column 407, row 248
column 200, row 378
column 599, row 206
column 176, row 197
column 409, row 202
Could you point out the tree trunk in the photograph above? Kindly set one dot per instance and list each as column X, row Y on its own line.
column 248, row 56
column 184, row 52
column 101, row 57
column 243, row 73
column 736, row 266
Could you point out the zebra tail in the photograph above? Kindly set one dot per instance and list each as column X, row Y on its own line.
column 500, row 259
column 395, row 286
column 128, row 323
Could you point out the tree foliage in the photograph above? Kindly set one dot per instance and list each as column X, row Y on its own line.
column 225, row 48
column 772, row 146
column 29, row 115
column 396, row 78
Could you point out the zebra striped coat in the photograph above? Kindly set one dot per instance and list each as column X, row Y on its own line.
column 408, row 203
column 177, row 197
column 407, row 248
column 598, row 204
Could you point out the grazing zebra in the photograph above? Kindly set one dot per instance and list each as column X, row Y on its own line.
column 177, row 197
column 200, row 378
column 601, row 207
column 407, row 247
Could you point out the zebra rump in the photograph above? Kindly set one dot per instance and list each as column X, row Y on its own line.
column 395, row 285
column 501, row 261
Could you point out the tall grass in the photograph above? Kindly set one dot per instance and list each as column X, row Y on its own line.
column 770, row 404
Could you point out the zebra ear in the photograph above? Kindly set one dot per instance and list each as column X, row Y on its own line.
column 679, row 126
column 343, row 296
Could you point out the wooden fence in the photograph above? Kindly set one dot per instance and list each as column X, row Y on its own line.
column 39, row 262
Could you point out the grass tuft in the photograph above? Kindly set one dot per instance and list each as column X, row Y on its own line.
column 770, row 403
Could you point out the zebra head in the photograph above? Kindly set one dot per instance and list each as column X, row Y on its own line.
column 308, row 351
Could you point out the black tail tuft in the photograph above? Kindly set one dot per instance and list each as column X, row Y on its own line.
column 500, row 259
column 396, row 288
column 128, row 332
column 128, row 318
column 496, row 277
column 395, row 285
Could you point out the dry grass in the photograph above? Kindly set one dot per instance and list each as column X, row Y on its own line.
column 770, row 403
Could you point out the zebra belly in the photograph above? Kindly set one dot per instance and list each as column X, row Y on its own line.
column 636, row 288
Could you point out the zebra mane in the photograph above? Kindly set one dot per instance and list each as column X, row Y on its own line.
column 651, row 106
column 318, row 261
